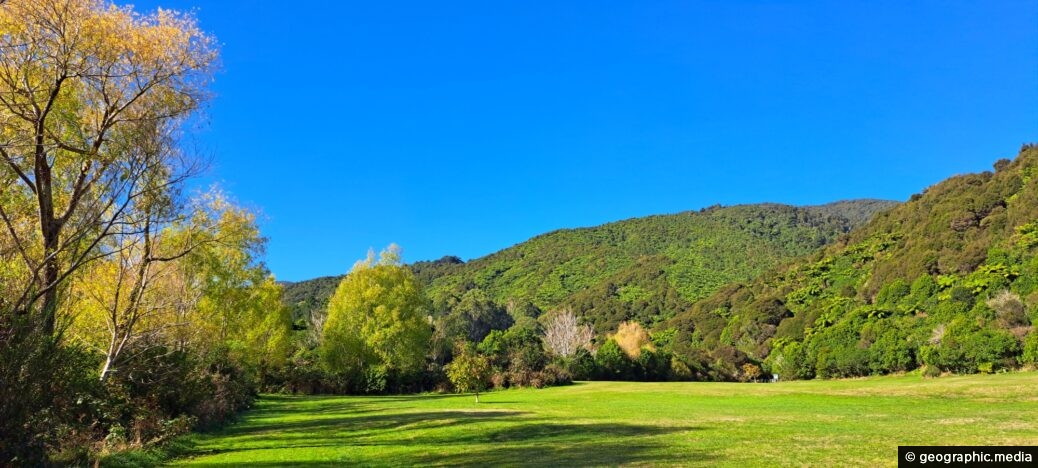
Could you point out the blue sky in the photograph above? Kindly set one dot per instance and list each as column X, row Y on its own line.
column 461, row 128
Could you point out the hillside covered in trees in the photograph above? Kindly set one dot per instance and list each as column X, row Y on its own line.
column 644, row 269
column 306, row 298
column 947, row 281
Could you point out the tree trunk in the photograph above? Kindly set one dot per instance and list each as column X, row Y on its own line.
column 50, row 229
column 114, row 347
column 107, row 368
column 477, row 397
column 49, row 308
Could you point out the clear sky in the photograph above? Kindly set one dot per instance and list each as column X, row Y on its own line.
column 461, row 128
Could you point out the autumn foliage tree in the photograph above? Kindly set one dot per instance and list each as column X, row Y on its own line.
column 105, row 268
column 82, row 84
column 195, row 284
column 239, row 303
column 632, row 338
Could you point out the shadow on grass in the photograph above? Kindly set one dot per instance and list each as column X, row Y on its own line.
column 274, row 407
column 348, row 425
column 445, row 437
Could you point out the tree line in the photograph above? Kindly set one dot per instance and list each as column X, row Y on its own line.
column 382, row 332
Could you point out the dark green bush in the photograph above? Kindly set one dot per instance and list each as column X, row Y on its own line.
column 893, row 351
column 1030, row 354
column 582, row 365
column 967, row 348
column 49, row 398
column 612, row 363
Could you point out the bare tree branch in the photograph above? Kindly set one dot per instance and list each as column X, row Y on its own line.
column 563, row 336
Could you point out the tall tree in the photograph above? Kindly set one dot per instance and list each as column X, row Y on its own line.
column 377, row 318
column 82, row 84
column 192, row 284
column 125, row 285
column 240, row 305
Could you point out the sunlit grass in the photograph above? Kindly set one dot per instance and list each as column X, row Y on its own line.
column 846, row 422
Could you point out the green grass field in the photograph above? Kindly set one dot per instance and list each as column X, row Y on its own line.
column 845, row 422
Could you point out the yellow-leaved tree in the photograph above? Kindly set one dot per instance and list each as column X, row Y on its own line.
column 195, row 285
column 632, row 339
column 377, row 331
column 85, row 88
column 240, row 305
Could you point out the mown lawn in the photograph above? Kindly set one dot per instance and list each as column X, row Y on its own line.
column 845, row 422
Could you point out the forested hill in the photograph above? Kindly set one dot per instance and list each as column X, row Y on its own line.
column 948, row 281
column 645, row 269
column 649, row 268
column 304, row 297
